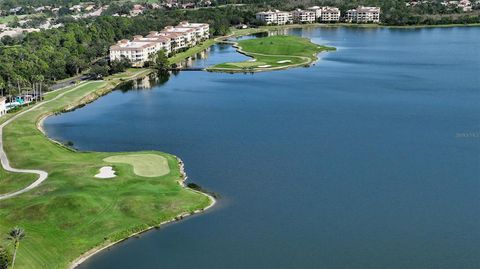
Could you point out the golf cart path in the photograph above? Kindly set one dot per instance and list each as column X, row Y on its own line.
column 42, row 175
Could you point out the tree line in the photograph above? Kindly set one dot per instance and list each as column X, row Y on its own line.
column 55, row 54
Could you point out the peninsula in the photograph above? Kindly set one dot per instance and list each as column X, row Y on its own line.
column 272, row 53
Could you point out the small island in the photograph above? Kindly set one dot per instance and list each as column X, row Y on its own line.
column 273, row 53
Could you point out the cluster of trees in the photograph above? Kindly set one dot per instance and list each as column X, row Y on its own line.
column 8, row 4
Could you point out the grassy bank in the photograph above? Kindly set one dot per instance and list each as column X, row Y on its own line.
column 190, row 52
column 72, row 212
column 272, row 53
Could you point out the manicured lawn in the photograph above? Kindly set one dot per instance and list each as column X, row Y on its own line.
column 73, row 212
column 10, row 182
column 190, row 52
column 274, row 52
column 144, row 165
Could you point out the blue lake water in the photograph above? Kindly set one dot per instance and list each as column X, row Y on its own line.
column 368, row 159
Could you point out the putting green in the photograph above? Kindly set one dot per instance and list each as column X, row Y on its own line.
column 144, row 165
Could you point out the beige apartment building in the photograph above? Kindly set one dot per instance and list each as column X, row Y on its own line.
column 170, row 39
column 275, row 17
column 330, row 14
column 317, row 10
column 201, row 30
column 303, row 16
column 364, row 15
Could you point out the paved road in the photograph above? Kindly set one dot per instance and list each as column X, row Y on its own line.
column 68, row 82
column 42, row 175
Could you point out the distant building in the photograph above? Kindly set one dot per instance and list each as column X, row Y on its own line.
column 465, row 5
column 3, row 106
column 303, row 16
column 161, row 42
column 364, row 14
column 135, row 51
column 330, row 14
column 14, row 32
column 275, row 17
column 317, row 10
column 136, row 10
column 170, row 39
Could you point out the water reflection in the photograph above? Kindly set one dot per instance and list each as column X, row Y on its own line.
column 147, row 82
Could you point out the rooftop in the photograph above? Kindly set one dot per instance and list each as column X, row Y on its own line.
column 368, row 9
column 131, row 45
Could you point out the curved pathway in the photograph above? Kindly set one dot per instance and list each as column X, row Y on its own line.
column 42, row 175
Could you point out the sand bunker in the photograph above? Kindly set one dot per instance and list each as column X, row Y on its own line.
column 264, row 66
column 106, row 172
column 284, row 61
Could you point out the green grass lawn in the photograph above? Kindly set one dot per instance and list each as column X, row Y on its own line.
column 72, row 211
column 274, row 52
column 191, row 51
column 10, row 182
column 144, row 165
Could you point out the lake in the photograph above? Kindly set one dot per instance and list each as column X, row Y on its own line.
column 368, row 159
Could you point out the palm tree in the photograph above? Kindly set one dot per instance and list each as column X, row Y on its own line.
column 15, row 235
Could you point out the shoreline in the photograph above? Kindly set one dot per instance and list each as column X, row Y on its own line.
column 87, row 255
column 95, row 94
column 308, row 62
column 91, row 98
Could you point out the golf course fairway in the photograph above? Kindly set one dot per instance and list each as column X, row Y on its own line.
column 72, row 213
column 272, row 53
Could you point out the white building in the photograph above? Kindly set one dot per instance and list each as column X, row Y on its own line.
column 137, row 52
column 303, row 16
column 170, row 39
column 284, row 17
column 364, row 14
column 275, row 17
column 330, row 14
column 465, row 5
column 317, row 10
column 201, row 30
column 269, row 17
column 3, row 106
column 161, row 42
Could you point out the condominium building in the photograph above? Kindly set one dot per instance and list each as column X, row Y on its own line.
column 170, row 39
column 201, row 30
column 284, row 17
column 303, row 16
column 136, row 52
column 269, row 17
column 364, row 15
column 3, row 106
column 161, row 42
column 317, row 10
column 330, row 14
column 275, row 17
